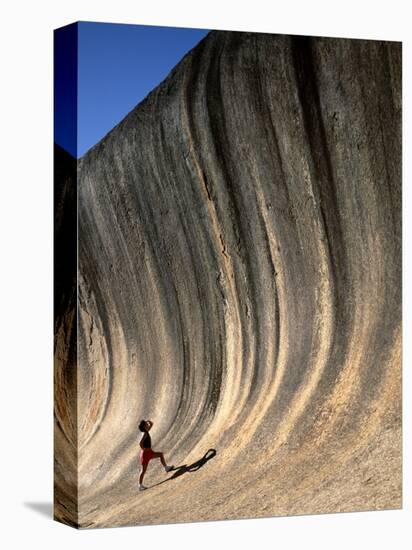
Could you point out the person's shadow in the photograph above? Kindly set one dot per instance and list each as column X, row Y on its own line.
column 180, row 470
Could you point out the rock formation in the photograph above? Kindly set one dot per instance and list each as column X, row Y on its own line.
column 239, row 283
column 65, row 338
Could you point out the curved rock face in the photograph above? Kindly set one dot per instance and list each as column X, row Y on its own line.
column 240, row 285
column 65, row 338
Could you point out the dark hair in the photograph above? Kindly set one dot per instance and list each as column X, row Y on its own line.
column 142, row 426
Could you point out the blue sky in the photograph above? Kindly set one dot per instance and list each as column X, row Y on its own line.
column 118, row 65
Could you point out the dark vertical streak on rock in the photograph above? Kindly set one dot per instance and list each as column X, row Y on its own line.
column 307, row 87
column 65, row 338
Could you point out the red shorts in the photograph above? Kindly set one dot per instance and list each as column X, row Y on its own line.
column 145, row 456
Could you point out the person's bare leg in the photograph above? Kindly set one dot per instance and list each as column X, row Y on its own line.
column 162, row 460
column 142, row 473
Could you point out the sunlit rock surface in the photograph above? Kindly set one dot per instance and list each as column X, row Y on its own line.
column 239, row 283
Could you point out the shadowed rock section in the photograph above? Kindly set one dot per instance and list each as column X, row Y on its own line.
column 240, row 284
column 65, row 338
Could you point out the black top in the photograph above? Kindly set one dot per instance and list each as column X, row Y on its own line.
column 146, row 441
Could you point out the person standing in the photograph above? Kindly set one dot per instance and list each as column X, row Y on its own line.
column 147, row 453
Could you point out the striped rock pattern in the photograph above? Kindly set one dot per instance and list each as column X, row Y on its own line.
column 239, row 283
